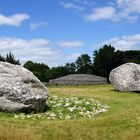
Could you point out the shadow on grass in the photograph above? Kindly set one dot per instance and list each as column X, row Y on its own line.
column 32, row 111
column 128, row 92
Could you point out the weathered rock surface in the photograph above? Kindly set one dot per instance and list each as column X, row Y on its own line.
column 20, row 90
column 126, row 77
column 78, row 79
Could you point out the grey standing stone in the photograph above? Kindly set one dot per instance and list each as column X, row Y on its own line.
column 20, row 90
column 126, row 77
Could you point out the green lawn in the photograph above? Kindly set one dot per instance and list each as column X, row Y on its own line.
column 121, row 122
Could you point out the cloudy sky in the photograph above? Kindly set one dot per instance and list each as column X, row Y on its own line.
column 58, row 31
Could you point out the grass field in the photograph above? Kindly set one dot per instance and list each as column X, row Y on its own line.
column 121, row 122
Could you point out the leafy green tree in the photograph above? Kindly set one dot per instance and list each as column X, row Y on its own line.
column 83, row 64
column 70, row 67
column 56, row 72
column 106, row 59
column 83, row 60
column 132, row 56
column 11, row 59
column 29, row 65
column 103, row 60
column 38, row 69
column 2, row 58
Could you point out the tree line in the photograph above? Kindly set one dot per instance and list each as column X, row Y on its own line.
column 103, row 61
column 10, row 58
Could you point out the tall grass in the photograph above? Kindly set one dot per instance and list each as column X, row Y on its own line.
column 121, row 122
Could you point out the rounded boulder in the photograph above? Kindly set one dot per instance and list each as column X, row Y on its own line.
column 126, row 77
column 20, row 90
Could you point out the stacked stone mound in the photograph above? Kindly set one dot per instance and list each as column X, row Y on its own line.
column 78, row 79
column 126, row 77
column 20, row 90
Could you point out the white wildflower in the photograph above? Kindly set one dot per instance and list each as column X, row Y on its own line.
column 52, row 115
column 67, row 104
column 81, row 113
column 87, row 103
column 62, row 108
column 67, row 117
column 16, row 116
column 29, row 116
column 67, row 99
column 84, row 108
column 77, row 102
column 103, row 110
column 71, row 109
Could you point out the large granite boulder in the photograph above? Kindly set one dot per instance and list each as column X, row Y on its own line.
column 126, row 77
column 20, row 90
